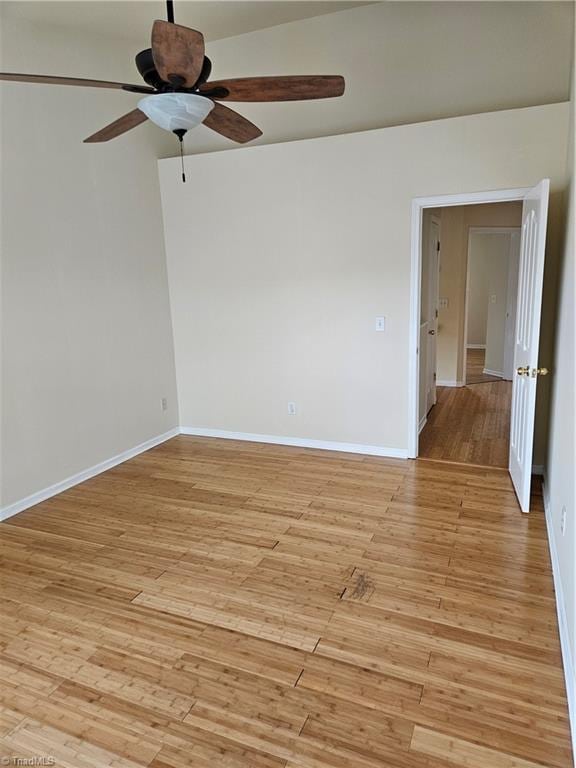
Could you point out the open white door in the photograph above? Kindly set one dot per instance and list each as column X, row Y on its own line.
column 527, row 335
column 511, row 299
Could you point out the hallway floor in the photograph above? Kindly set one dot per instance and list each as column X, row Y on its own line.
column 475, row 367
column 469, row 424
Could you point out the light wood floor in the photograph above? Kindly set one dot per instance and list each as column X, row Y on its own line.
column 469, row 424
column 218, row 604
column 475, row 367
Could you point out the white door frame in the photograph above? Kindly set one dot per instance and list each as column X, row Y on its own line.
column 477, row 231
column 418, row 205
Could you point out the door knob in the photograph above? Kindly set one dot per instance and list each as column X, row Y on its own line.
column 539, row 372
column 523, row 371
column 432, row 333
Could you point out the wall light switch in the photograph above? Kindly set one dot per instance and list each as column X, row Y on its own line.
column 493, row 299
column 443, row 303
column 291, row 409
column 380, row 324
column 164, row 404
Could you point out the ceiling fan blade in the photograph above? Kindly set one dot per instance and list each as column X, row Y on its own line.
column 118, row 127
column 232, row 125
column 178, row 52
column 50, row 80
column 283, row 88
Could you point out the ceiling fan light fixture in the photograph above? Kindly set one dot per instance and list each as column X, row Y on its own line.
column 176, row 111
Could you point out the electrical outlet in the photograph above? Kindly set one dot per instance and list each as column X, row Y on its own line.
column 380, row 324
column 563, row 521
column 164, row 403
column 291, row 409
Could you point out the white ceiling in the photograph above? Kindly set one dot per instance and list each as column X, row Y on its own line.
column 132, row 19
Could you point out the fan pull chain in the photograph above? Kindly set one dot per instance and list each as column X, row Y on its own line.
column 180, row 132
column 182, row 161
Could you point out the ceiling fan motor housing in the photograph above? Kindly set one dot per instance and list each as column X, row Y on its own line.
column 146, row 67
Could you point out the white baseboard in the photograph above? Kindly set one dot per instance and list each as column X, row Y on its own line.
column 567, row 660
column 449, row 383
column 298, row 442
column 86, row 474
column 422, row 424
column 491, row 372
column 475, row 346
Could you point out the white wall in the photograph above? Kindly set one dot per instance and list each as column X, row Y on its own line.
column 477, row 300
column 498, row 295
column 86, row 330
column 280, row 258
column 488, row 292
column 560, row 486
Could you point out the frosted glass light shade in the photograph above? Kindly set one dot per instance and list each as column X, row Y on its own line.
column 176, row 111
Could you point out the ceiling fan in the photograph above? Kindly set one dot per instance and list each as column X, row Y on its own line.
column 179, row 96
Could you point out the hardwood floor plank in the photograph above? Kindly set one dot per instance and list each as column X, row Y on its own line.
column 464, row 753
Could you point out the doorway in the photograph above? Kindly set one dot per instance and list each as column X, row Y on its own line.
column 482, row 397
column 469, row 287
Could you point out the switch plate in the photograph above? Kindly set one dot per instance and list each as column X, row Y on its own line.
column 291, row 409
column 380, row 324
column 493, row 299
column 443, row 303
column 563, row 521
column 164, row 404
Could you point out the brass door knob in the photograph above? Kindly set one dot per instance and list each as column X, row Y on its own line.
column 525, row 371
column 539, row 372
column 432, row 332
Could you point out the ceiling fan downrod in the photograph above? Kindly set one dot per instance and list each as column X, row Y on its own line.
column 170, row 11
